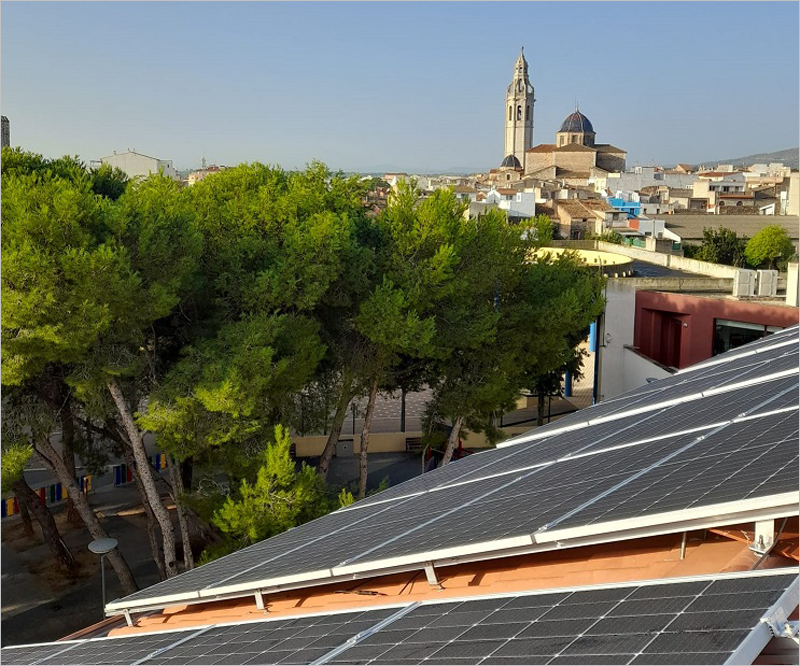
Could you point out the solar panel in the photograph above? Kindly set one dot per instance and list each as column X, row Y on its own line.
column 628, row 466
column 295, row 641
column 705, row 618
column 32, row 654
column 741, row 461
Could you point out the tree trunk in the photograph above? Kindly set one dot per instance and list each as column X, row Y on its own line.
column 68, row 454
column 177, row 489
column 187, row 468
column 345, row 397
column 33, row 503
column 362, row 476
column 51, row 458
column 146, row 474
column 452, row 441
column 25, row 515
column 540, row 409
column 150, row 519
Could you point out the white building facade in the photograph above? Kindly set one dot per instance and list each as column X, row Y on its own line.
column 136, row 165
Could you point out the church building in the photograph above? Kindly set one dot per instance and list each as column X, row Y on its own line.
column 574, row 158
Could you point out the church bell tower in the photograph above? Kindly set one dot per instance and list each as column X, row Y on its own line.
column 519, row 113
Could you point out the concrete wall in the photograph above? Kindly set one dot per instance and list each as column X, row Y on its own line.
column 136, row 165
column 617, row 331
column 670, row 260
column 793, row 203
column 392, row 442
column 638, row 369
column 621, row 368
column 791, row 285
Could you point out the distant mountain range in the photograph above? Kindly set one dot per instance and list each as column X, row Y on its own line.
column 789, row 157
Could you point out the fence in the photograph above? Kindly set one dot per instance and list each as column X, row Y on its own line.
column 123, row 474
column 49, row 495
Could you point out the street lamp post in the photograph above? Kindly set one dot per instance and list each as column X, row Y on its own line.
column 102, row 547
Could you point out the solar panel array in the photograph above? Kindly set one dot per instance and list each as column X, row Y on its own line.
column 702, row 620
column 724, row 433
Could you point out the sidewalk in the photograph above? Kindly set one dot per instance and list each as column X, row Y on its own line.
column 38, row 602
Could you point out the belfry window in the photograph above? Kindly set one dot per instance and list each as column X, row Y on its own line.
column 519, row 85
column 511, row 113
column 519, row 112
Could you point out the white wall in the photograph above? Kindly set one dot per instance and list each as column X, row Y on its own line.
column 638, row 369
column 791, row 284
column 136, row 165
column 622, row 369
column 617, row 332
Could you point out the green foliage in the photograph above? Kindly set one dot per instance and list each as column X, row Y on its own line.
column 227, row 389
column 109, row 181
column 280, row 497
column 516, row 328
column 12, row 462
column 768, row 246
column 722, row 246
column 104, row 180
column 84, row 278
column 608, row 237
column 542, row 227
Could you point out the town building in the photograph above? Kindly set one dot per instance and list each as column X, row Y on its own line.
column 581, row 218
column 203, row 173
column 575, row 157
column 137, row 165
column 519, row 116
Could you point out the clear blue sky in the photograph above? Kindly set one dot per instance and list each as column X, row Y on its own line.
column 404, row 85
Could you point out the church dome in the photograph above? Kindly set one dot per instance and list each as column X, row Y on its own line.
column 576, row 122
column 511, row 162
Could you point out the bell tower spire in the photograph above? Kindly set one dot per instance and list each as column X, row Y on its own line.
column 519, row 111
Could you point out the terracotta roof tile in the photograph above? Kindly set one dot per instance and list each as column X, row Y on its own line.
column 542, row 148
column 575, row 148
column 608, row 148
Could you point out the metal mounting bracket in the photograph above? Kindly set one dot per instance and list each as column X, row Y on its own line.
column 260, row 604
column 128, row 618
column 430, row 574
column 763, row 536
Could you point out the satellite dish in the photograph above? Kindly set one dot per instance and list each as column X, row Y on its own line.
column 103, row 546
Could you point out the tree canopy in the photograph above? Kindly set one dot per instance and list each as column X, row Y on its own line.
column 211, row 316
column 722, row 246
column 769, row 246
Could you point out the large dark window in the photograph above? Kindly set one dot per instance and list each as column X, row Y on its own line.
column 731, row 334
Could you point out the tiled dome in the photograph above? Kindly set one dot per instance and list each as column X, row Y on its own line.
column 576, row 122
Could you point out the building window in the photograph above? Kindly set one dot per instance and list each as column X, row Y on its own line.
column 519, row 112
column 573, row 139
column 561, row 141
column 738, row 203
column 511, row 113
column 519, row 85
column 721, row 204
column 731, row 334
column 508, row 176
